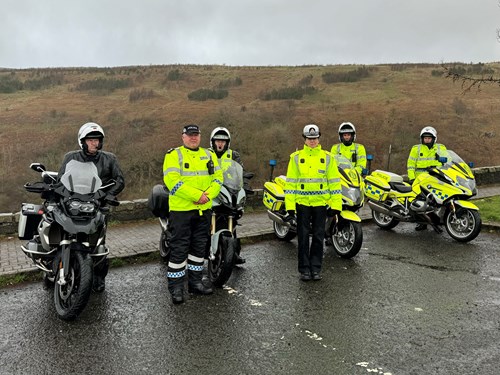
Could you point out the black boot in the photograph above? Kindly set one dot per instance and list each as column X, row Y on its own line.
column 238, row 259
column 420, row 227
column 177, row 296
column 195, row 284
column 99, row 283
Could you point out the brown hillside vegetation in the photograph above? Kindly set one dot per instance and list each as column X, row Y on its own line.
column 142, row 110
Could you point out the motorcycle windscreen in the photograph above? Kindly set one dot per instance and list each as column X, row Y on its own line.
column 233, row 176
column 81, row 178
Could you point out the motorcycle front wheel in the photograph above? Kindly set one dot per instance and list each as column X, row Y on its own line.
column 384, row 221
column 283, row 232
column 70, row 299
column 464, row 225
column 221, row 267
column 347, row 238
column 164, row 246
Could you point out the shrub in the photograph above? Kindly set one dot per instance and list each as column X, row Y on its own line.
column 175, row 75
column 140, row 94
column 437, row 73
column 350, row 76
column 232, row 82
column 205, row 94
column 9, row 84
column 103, row 84
column 306, row 81
column 44, row 82
column 287, row 93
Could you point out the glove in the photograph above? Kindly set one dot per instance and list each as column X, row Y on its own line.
column 331, row 212
column 290, row 216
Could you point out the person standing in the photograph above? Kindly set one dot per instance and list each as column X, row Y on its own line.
column 312, row 193
column 91, row 140
column 220, row 141
column 354, row 152
column 423, row 156
column 194, row 178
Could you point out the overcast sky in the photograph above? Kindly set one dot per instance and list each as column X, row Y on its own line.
column 107, row 33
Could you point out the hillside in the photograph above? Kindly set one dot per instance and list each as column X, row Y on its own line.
column 142, row 110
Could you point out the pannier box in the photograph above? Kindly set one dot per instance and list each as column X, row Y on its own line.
column 29, row 218
column 158, row 201
column 274, row 196
column 377, row 185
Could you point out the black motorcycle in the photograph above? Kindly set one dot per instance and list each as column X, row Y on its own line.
column 66, row 233
column 227, row 208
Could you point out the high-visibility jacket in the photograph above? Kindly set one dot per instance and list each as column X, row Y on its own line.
column 226, row 157
column 422, row 157
column 186, row 174
column 313, row 179
column 355, row 153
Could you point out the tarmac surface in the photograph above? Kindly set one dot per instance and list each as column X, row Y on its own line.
column 142, row 237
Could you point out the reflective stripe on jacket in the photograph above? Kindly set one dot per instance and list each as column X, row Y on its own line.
column 355, row 153
column 312, row 179
column 186, row 175
column 422, row 157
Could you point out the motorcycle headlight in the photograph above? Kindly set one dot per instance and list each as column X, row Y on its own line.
column 77, row 207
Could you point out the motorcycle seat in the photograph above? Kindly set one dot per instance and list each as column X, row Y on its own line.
column 401, row 187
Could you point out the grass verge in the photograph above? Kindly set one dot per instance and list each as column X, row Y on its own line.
column 489, row 208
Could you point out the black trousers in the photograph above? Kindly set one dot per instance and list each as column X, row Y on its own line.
column 190, row 233
column 310, row 220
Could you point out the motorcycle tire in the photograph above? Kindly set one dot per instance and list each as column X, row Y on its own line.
column 464, row 226
column 384, row 221
column 70, row 299
column 221, row 267
column 164, row 247
column 283, row 232
column 347, row 239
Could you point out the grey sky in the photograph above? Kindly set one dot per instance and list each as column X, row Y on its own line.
column 61, row 33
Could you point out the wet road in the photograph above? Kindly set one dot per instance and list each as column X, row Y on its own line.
column 409, row 303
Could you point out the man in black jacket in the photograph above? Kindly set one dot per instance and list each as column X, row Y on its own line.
column 90, row 140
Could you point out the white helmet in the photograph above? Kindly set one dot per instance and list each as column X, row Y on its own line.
column 90, row 130
column 222, row 134
column 347, row 127
column 311, row 131
column 429, row 131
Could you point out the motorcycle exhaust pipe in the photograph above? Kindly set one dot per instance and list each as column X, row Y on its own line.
column 276, row 217
column 377, row 207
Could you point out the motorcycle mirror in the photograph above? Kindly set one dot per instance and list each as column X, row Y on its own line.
column 38, row 167
column 111, row 183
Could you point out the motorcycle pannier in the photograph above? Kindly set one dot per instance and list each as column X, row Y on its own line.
column 29, row 219
column 376, row 188
column 158, row 201
column 274, row 196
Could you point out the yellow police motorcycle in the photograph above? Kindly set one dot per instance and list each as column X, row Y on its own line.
column 344, row 232
column 437, row 197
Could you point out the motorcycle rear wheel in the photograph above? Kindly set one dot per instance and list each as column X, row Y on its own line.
column 347, row 239
column 464, row 226
column 220, row 269
column 70, row 299
column 384, row 221
column 283, row 232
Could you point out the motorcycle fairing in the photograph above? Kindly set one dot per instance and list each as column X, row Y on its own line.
column 466, row 204
column 349, row 215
